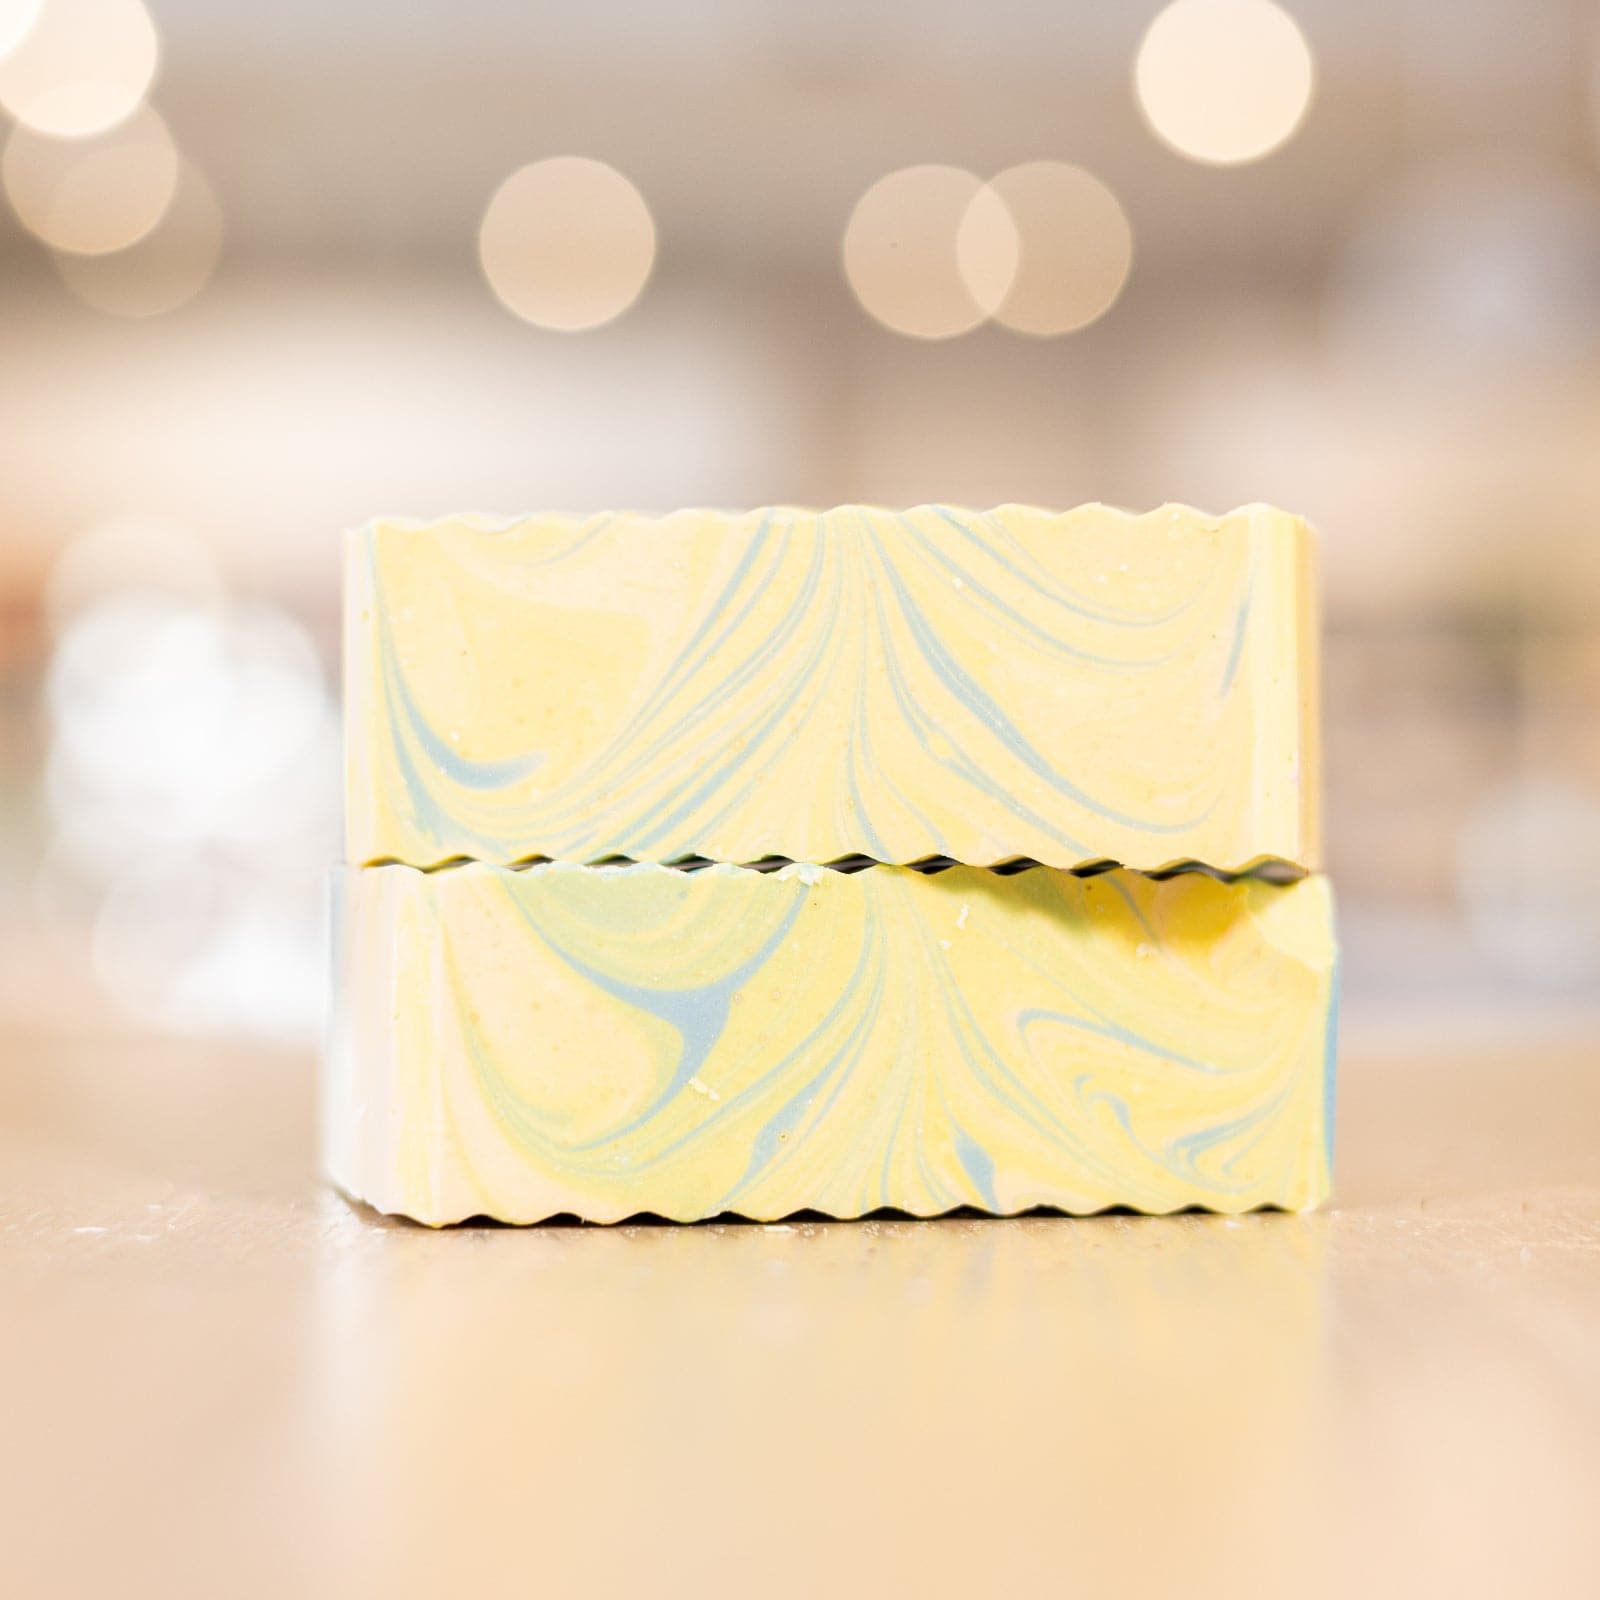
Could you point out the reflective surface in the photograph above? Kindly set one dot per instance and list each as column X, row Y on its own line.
column 219, row 1379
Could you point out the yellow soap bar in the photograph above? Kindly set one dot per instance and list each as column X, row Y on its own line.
column 1076, row 687
column 608, row 1041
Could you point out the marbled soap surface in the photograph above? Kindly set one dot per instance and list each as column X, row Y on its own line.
column 519, row 1044
column 1068, row 687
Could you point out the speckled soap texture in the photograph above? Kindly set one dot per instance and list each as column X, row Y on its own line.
column 608, row 1041
column 1069, row 687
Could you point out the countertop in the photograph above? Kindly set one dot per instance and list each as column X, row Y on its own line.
column 218, row 1378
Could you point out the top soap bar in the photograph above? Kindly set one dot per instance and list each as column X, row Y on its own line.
column 1073, row 687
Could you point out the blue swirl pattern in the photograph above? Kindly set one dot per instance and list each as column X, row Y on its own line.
column 1067, row 687
column 607, row 1041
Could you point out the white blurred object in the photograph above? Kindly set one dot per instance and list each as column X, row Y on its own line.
column 1076, row 247
column 81, row 67
column 16, row 18
column 1528, row 876
column 930, row 251
column 567, row 243
column 92, row 196
column 165, row 268
column 193, row 778
column 182, row 942
column 1224, row 81
column 174, row 722
column 1483, row 267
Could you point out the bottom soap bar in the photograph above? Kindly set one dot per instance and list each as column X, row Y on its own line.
column 611, row 1040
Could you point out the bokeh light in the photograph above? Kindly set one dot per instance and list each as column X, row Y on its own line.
column 16, row 18
column 988, row 249
column 90, row 197
column 1076, row 246
column 172, row 720
column 567, row 243
column 1224, row 81
column 929, row 251
column 82, row 67
column 192, row 784
column 165, row 269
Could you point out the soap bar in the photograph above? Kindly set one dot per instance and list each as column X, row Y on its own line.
column 1073, row 688
column 608, row 1041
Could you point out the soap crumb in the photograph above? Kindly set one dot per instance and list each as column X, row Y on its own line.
column 701, row 1087
column 961, row 921
column 944, row 944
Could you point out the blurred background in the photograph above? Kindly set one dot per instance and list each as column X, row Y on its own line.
column 266, row 271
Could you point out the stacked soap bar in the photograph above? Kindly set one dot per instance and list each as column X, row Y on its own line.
column 1069, row 688
column 762, row 863
column 612, row 1040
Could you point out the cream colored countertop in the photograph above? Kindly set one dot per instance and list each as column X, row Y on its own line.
column 218, row 1379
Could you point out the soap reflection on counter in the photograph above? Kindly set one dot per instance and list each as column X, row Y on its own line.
column 902, row 1387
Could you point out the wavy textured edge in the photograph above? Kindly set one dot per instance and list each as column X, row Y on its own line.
column 812, row 1215
column 1266, row 868
column 494, row 522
